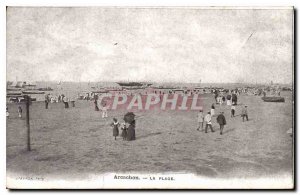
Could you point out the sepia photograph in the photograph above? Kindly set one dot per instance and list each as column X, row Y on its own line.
column 150, row 97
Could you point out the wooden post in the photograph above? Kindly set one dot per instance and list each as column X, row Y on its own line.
column 27, row 101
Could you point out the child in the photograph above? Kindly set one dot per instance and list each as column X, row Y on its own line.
column 20, row 111
column 115, row 126
column 104, row 111
column 124, row 131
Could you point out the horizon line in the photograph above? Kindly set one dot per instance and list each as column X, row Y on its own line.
column 258, row 83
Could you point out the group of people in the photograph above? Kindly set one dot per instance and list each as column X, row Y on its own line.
column 61, row 98
column 208, row 120
column 230, row 99
column 128, row 130
column 221, row 120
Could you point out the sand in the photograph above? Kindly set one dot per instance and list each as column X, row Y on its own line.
column 77, row 142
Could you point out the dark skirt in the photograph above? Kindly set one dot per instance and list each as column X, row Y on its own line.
column 131, row 133
column 232, row 112
column 124, row 133
column 115, row 130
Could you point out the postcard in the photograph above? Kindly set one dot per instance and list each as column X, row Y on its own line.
column 150, row 98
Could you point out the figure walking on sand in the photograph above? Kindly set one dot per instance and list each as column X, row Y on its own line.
column 115, row 126
column 207, row 119
column 131, row 131
column 130, row 119
column 222, row 121
column 96, row 103
column 234, row 99
column 216, row 96
column 104, row 111
column 232, row 110
column 200, row 120
column 245, row 113
column 228, row 100
column 47, row 100
column 212, row 110
column 124, row 131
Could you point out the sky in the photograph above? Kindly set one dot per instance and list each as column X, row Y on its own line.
column 149, row 44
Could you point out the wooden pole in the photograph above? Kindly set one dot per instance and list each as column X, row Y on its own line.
column 27, row 100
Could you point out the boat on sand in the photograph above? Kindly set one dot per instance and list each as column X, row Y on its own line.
column 273, row 99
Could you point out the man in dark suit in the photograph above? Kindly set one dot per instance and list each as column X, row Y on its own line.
column 222, row 121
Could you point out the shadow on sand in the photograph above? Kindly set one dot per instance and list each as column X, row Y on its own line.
column 149, row 135
column 229, row 130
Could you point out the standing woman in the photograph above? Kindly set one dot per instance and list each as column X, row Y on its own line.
column 131, row 131
column 130, row 119
column 232, row 110
column 212, row 111
column 234, row 99
column 200, row 120
column 115, row 126
column 216, row 95
column 95, row 102
column 228, row 100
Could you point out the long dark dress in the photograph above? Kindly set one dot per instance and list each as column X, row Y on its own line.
column 234, row 98
column 131, row 132
column 115, row 129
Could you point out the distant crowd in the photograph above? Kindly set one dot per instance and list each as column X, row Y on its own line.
column 229, row 99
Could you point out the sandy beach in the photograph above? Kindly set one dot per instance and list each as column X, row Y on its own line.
column 77, row 141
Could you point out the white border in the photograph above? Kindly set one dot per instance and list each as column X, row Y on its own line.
column 118, row 3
